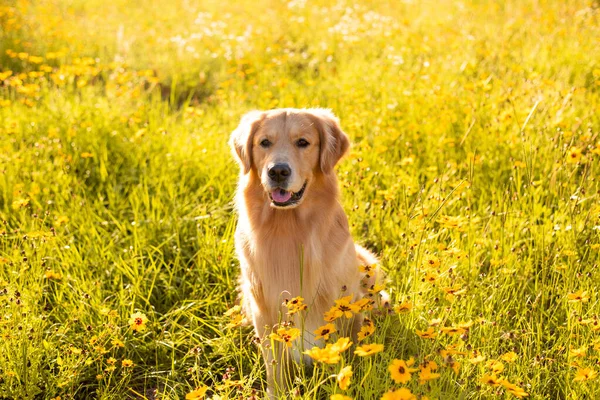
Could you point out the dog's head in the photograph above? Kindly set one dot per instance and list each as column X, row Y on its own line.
column 288, row 149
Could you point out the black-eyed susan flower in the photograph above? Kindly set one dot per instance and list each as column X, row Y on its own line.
column 341, row 345
column 368, row 349
column 584, row 374
column 346, row 308
column 367, row 270
column 514, row 389
column 453, row 364
column 197, row 394
column 137, row 321
column 344, row 377
column 366, row 330
column 52, row 275
column 574, row 155
column 127, row 363
column 579, row 296
column 431, row 277
column 332, row 314
column 325, row 355
column 295, row 305
column 426, row 374
column 401, row 370
column 578, row 352
column 285, row 335
column 452, row 330
column 428, row 334
column 491, row 379
column 431, row 262
column 400, row 394
column 403, row 307
column 324, row 331
column 495, row 366
column 364, row 304
column 331, row 353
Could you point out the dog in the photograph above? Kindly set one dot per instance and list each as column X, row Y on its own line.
column 292, row 236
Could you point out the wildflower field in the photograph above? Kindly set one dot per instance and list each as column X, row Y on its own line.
column 473, row 174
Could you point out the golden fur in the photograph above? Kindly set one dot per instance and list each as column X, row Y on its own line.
column 304, row 249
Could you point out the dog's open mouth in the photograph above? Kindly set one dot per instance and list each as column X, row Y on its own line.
column 283, row 198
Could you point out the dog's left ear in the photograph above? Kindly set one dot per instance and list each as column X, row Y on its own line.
column 334, row 142
column 242, row 137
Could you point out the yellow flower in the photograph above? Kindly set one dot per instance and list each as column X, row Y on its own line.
column 127, row 363
column 580, row 295
column 364, row 304
column 344, row 377
column 426, row 374
column 117, row 343
column 584, row 374
column 376, row 288
column 50, row 274
column 341, row 345
column 580, row 352
column 496, row 366
column 431, row 277
column 401, row 371
column 455, row 365
column 86, row 155
column 137, row 321
column 491, row 380
column 366, row 269
column 295, row 305
column 573, row 155
column 452, row 330
column 111, row 361
column 509, row 357
column 454, row 290
column 20, row 203
column 339, row 397
column 428, row 334
column 346, row 308
column 197, row 394
column 365, row 331
column 400, row 394
column 403, row 308
column 332, row 314
column 368, row 349
column 432, row 262
column 514, row 389
column 286, row 335
column 326, row 355
column 331, row 353
column 236, row 320
column 324, row 331
column 476, row 359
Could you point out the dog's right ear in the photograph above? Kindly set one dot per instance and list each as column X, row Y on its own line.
column 242, row 137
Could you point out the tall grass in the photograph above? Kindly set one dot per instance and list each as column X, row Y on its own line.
column 473, row 174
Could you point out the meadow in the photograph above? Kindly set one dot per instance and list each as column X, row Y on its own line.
column 473, row 174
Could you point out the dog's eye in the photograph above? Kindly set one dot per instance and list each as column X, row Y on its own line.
column 302, row 143
column 265, row 143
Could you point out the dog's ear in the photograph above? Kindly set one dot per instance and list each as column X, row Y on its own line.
column 242, row 137
column 334, row 142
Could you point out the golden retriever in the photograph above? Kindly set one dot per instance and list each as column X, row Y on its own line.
column 292, row 236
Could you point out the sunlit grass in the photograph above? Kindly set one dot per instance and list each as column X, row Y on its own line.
column 473, row 174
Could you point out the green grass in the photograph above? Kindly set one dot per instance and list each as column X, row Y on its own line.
column 116, row 187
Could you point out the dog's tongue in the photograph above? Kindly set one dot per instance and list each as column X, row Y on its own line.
column 281, row 196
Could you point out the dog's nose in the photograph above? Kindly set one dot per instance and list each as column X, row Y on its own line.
column 279, row 172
